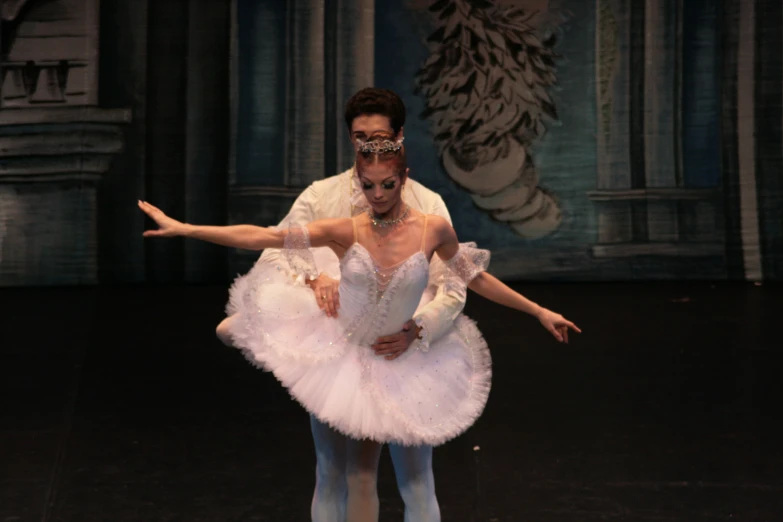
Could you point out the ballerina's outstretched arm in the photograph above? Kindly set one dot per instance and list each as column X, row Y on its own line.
column 336, row 233
column 492, row 288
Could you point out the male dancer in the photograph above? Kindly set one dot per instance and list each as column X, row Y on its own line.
column 338, row 485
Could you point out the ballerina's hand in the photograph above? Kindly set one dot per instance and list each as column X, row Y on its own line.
column 168, row 227
column 327, row 294
column 557, row 325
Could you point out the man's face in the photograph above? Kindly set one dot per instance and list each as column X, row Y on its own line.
column 366, row 125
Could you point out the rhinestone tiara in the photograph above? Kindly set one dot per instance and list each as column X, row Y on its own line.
column 380, row 146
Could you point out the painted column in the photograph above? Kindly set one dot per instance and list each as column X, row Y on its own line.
column 55, row 143
column 613, row 78
column 305, row 124
column 207, row 140
column 258, row 85
column 746, row 149
column 295, row 69
column 768, row 133
column 355, row 67
column 661, row 96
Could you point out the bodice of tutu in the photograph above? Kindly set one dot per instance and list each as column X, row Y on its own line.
column 375, row 300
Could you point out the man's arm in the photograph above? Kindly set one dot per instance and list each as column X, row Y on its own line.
column 437, row 316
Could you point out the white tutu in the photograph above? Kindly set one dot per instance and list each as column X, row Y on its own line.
column 428, row 395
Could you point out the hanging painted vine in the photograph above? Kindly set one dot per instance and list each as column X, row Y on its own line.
column 485, row 84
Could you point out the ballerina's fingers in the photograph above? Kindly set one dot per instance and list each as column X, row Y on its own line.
column 153, row 212
column 568, row 324
column 146, row 208
column 330, row 300
column 150, row 211
column 562, row 327
column 149, row 208
column 555, row 331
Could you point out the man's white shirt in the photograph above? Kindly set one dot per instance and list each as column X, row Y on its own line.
column 340, row 196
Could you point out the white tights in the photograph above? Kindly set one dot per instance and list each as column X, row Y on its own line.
column 347, row 478
column 413, row 468
column 346, row 474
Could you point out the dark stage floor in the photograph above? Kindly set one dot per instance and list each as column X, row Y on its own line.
column 118, row 404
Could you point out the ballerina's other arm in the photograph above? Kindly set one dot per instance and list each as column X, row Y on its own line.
column 496, row 291
column 335, row 233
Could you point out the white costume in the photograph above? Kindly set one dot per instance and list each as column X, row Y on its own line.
column 341, row 196
column 430, row 394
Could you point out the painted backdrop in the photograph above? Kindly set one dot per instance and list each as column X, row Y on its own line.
column 598, row 140
column 579, row 140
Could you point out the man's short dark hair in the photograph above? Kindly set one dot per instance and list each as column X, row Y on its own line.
column 376, row 101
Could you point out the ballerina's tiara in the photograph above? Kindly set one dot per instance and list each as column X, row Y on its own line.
column 380, row 146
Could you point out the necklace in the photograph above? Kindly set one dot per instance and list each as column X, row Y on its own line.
column 386, row 223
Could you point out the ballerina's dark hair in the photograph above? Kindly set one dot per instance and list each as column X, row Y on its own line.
column 381, row 147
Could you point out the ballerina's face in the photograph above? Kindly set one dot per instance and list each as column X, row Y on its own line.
column 382, row 185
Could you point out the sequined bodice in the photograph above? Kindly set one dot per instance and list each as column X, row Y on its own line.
column 379, row 301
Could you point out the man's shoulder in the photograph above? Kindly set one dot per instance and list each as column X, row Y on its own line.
column 425, row 199
column 421, row 189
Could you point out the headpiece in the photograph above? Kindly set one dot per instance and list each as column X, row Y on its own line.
column 380, row 146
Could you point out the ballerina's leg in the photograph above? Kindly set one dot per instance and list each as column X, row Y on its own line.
column 330, row 494
column 222, row 330
column 416, row 482
column 331, row 490
column 362, row 477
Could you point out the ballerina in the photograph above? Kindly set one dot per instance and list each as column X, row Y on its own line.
column 425, row 396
